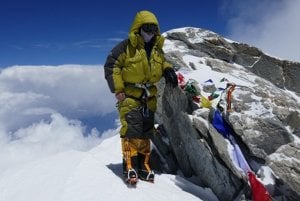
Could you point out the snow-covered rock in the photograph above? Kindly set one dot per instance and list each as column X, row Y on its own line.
column 265, row 112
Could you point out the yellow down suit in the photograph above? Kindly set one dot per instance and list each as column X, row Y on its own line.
column 131, row 70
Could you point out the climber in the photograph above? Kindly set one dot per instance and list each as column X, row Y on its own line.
column 132, row 68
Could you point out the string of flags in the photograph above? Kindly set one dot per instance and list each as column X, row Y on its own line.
column 191, row 86
column 259, row 192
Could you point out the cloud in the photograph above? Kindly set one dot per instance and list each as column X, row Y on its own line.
column 115, row 39
column 31, row 93
column 45, row 138
column 41, row 108
column 102, row 44
column 269, row 25
column 43, row 45
column 16, row 47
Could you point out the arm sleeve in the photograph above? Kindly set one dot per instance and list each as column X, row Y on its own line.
column 113, row 67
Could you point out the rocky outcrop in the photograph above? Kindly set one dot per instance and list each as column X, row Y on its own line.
column 265, row 118
column 194, row 154
column 284, row 74
column 286, row 165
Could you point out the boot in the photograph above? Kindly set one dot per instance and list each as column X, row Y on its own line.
column 129, row 170
column 145, row 173
column 131, row 177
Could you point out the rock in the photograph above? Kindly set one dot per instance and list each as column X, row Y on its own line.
column 193, row 153
column 264, row 118
column 285, row 162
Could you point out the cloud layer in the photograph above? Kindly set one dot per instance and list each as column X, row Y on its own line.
column 41, row 108
column 269, row 25
column 29, row 93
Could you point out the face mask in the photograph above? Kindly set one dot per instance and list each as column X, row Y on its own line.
column 146, row 36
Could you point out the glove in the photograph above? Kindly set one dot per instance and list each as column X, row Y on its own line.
column 171, row 77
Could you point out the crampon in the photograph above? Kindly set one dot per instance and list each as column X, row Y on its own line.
column 131, row 177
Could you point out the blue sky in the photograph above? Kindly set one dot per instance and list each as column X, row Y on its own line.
column 54, row 32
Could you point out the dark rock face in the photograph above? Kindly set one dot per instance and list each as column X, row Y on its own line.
column 265, row 118
column 268, row 68
column 291, row 74
column 193, row 153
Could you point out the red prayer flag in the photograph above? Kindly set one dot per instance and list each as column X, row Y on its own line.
column 259, row 192
column 181, row 80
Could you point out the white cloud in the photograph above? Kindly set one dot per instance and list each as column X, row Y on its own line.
column 97, row 43
column 44, row 138
column 29, row 93
column 115, row 39
column 41, row 108
column 269, row 25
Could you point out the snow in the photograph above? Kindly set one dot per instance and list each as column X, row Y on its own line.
column 178, row 30
column 268, row 175
column 198, row 36
column 90, row 175
column 296, row 139
column 294, row 95
column 169, row 46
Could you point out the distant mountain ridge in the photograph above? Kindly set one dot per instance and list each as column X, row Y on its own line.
column 265, row 116
column 282, row 73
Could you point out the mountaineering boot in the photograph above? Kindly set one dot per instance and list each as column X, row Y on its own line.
column 145, row 173
column 129, row 170
column 131, row 177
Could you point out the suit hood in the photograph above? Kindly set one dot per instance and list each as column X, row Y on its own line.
column 142, row 17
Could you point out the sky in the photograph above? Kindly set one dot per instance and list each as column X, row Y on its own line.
column 57, row 32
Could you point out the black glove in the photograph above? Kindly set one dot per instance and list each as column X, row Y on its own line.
column 171, row 77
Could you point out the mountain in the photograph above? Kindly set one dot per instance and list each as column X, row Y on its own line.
column 51, row 147
column 264, row 115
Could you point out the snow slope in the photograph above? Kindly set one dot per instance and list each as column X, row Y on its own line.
column 90, row 175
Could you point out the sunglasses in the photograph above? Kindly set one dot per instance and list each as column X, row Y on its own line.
column 150, row 28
